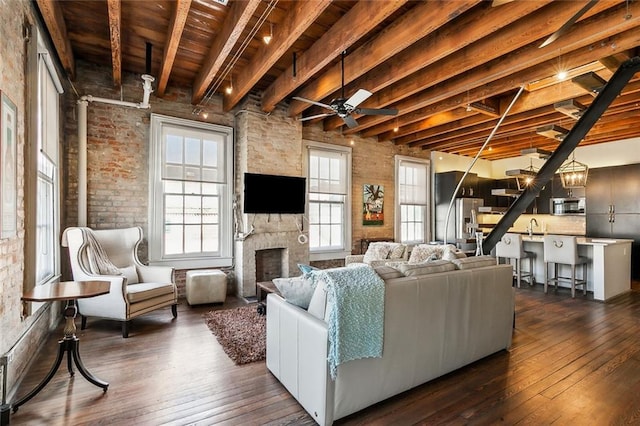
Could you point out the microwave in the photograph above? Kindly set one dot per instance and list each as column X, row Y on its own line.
column 567, row 206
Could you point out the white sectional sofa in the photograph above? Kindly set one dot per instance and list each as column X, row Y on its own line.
column 433, row 324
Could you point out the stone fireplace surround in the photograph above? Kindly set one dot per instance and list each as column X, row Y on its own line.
column 292, row 253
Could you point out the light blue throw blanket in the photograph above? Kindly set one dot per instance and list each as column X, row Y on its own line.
column 356, row 316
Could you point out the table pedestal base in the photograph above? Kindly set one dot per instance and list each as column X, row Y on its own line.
column 69, row 344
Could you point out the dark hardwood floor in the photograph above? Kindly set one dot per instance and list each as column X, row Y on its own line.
column 573, row 361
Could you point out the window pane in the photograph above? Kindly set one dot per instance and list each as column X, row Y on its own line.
column 192, row 239
column 173, row 149
column 173, row 239
column 192, row 151
column 210, row 240
column 172, row 186
column 192, row 210
column 174, row 212
column 210, row 153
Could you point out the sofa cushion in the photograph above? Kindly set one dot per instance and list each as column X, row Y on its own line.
column 296, row 290
column 144, row 291
column 433, row 267
column 376, row 251
column 387, row 272
column 474, row 262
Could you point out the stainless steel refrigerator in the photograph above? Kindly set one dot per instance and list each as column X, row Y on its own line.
column 458, row 229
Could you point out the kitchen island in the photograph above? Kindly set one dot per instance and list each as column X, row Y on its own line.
column 609, row 268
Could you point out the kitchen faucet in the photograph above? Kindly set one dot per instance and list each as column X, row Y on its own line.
column 533, row 222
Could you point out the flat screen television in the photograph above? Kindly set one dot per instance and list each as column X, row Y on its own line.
column 274, row 194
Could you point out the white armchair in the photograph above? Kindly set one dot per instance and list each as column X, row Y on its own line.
column 136, row 289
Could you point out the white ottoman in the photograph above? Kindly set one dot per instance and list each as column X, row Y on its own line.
column 206, row 286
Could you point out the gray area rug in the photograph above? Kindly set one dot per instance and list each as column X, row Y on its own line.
column 241, row 332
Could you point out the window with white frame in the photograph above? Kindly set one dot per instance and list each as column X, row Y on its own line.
column 412, row 189
column 190, row 193
column 48, row 181
column 328, row 176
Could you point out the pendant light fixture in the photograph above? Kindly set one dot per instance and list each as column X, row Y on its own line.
column 573, row 174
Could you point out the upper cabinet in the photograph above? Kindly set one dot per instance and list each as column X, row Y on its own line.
column 613, row 190
column 446, row 182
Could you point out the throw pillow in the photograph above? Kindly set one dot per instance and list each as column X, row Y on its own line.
column 376, row 251
column 474, row 262
column 387, row 272
column 305, row 269
column 130, row 274
column 318, row 302
column 422, row 252
column 451, row 254
column 297, row 290
column 397, row 251
column 417, row 269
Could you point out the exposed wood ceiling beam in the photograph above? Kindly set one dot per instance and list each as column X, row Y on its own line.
column 53, row 19
column 474, row 58
column 525, row 109
column 341, row 36
column 299, row 18
column 421, row 20
column 176, row 26
column 114, row 8
column 479, row 22
column 619, row 118
column 240, row 12
column 507, row 72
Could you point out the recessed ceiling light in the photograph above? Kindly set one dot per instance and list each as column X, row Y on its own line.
column 562, row 75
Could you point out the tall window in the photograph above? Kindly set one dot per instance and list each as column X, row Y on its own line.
column 412, row 187
column 191, row 193
column 328, row 172
column 47, row 182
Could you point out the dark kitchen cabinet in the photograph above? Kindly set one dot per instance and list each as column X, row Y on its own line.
column 446, row 182
column 613, row 206
column 541, row 204
column 613, row 190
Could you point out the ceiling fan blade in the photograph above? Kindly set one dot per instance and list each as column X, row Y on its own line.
column 297, row 98
column 565, row 27
column 312, row 117
column 376, row 111
column 350, row 121
column 357, row 98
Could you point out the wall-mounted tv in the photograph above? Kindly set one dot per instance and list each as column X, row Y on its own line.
column 274, row 194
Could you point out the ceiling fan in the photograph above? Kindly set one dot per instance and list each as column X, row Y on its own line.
column 343, row 107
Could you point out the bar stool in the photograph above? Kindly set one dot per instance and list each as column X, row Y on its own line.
column 510, row 247
column 562, row 249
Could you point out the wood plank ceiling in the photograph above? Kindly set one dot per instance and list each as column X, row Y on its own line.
column 449, row 67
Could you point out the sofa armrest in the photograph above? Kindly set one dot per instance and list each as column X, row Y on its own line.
column 354, row 258
column 297, row 348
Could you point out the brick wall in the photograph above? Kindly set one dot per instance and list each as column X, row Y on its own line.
column 18, row 334
column 373, row 162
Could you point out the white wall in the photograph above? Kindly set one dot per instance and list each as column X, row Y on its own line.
column 443, row 162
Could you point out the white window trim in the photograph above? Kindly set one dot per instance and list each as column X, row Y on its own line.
column 427, row 223
column 45, row 57
column 155, row 202
column 331, row 254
